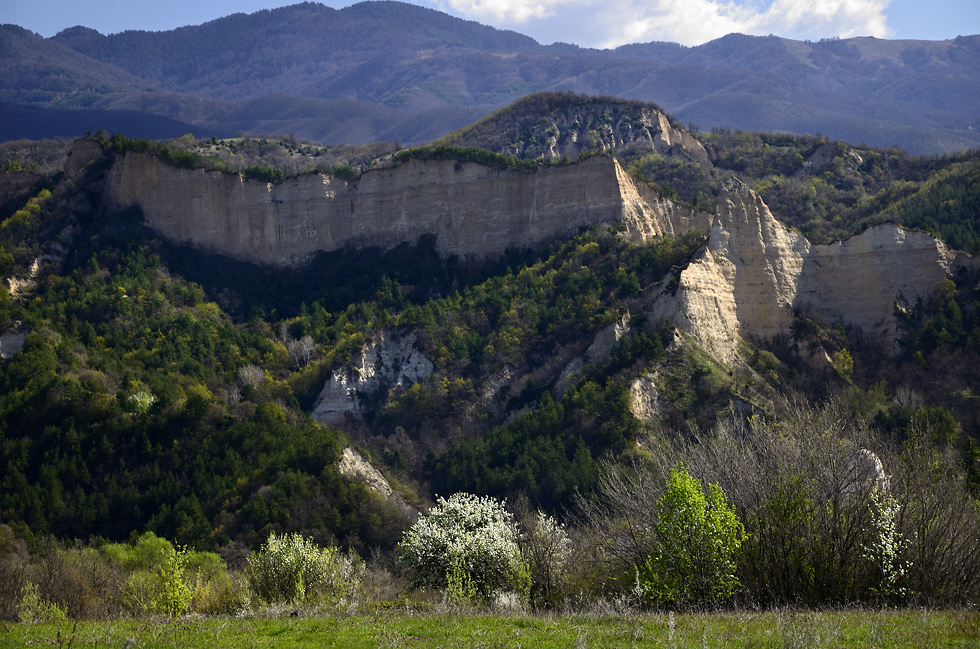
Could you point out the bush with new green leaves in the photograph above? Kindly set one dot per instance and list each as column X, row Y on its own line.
column 33, row 608
column 175, row 595
column 698, row 534
column 158, row 577
column 467, row 542
column 291, row 569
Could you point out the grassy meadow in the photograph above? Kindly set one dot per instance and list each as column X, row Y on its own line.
column 812, row 630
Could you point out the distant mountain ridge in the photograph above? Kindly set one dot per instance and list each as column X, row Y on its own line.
column 414, row 74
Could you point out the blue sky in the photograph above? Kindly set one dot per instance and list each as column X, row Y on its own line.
column 590, row 23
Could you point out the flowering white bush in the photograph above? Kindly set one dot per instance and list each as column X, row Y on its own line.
column 468, row 539
column 886, row 544
column 292, row 569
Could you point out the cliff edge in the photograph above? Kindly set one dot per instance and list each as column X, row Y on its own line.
column 748, row 280
column 753, row 274
column 475, row 211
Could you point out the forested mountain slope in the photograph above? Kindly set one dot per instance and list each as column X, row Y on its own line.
column 150, row 385
column 427, row 73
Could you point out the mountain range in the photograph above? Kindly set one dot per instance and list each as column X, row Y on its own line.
column 395, row 71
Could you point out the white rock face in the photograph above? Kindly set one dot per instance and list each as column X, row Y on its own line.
column 863, row 470
column 474, row 211
column 645, row 399
column 12, row 341
column 754, row 272
column 389, row 361
column 747, row 281
column 353, row 465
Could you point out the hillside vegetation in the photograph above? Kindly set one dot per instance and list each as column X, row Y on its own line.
column 162, row 392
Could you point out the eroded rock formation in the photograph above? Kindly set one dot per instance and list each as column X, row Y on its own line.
column 600, row 351
column 390, row 360
column 12, row 340
column 748, row 280
column 353, row 465
column 17, row 185
column 754, row 273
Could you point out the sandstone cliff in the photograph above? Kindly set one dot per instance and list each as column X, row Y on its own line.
column 475, row 211
column 748, row 280
column 17, row 185
column 753, row 274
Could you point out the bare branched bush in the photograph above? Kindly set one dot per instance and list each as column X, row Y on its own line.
column 547, row 550
column 793, row 481
column 251, row 376
column 13, row 564
column 301, row 351
column 618, row 521
column 808, row 486
column 941, row 521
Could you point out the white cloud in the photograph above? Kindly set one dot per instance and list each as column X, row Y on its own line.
column 608, row 23
column 507, row 11
column 843, row 18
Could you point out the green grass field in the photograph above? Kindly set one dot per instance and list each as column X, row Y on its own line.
column 803, row 629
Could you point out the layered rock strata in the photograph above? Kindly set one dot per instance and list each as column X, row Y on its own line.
column 753, row 274
column 475, row 211
column 17, row 185
column 748, row 280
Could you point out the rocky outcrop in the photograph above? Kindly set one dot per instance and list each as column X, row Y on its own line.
column 862, row 471
column 475, row 211
column 555, row 125
column 83, row 152
column 645, row 403
column 17, row 185
column 594, row 127
column 754, row 273
column 389, row 361
column 12, row 340
column 748, row 280
column 600, row 351
column 353, row 465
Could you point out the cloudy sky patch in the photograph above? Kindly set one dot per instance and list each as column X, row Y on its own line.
column 608, row 23
column 590, row 23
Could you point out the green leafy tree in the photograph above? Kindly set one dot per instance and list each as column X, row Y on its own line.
column 698, row 534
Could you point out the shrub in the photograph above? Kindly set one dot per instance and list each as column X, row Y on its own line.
column 293, row 569
column 467, row 544
column 886, row 544
column 345, row 172
column 546, row 548
column 175, row 596
column 35, row 609
column 264, row 174
column 156, row 577
column 698, row 536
